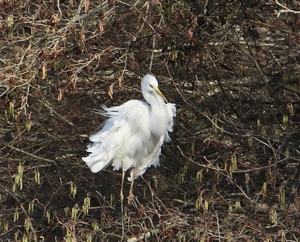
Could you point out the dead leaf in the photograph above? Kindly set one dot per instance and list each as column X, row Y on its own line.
column 101, row 27
column 190, row 34
column 59, row 96
column 82, row 35
column 111, row 90
column 120, row 80
column 111, row 2
column 6, row 99
column 44, row 71
column 87, row 4
column 73, row 83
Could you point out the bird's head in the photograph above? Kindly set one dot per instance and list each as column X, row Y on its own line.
column 150, row 88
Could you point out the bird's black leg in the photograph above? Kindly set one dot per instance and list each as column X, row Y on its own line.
column 131, row 196
column 122, row 205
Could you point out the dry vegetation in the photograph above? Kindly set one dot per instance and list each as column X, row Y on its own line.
column 231, row 172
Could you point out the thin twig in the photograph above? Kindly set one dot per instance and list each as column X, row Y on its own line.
column 31, row 155
column 23, row 210
column 285, row 9
column 63, row 118
column 58, row 6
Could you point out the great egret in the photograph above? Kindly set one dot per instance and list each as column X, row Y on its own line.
column 133, row 134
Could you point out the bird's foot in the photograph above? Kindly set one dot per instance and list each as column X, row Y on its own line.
column 131, row 198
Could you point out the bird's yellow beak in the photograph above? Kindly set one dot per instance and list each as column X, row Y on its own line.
column 159, row 93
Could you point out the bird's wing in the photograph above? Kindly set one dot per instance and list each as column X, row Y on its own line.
column 110, row 142
column 171, row 110
column 152, row 158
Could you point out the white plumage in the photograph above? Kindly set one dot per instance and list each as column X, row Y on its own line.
column 133, row 134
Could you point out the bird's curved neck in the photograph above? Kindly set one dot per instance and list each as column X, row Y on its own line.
column 156, row 103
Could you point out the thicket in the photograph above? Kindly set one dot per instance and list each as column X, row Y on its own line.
column 231, row 172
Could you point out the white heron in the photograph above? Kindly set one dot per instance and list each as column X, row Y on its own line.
column 132, row 136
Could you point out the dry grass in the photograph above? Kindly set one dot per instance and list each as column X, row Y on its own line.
column 231, row 172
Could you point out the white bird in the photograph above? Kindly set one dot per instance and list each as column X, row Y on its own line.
column 132, row 136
